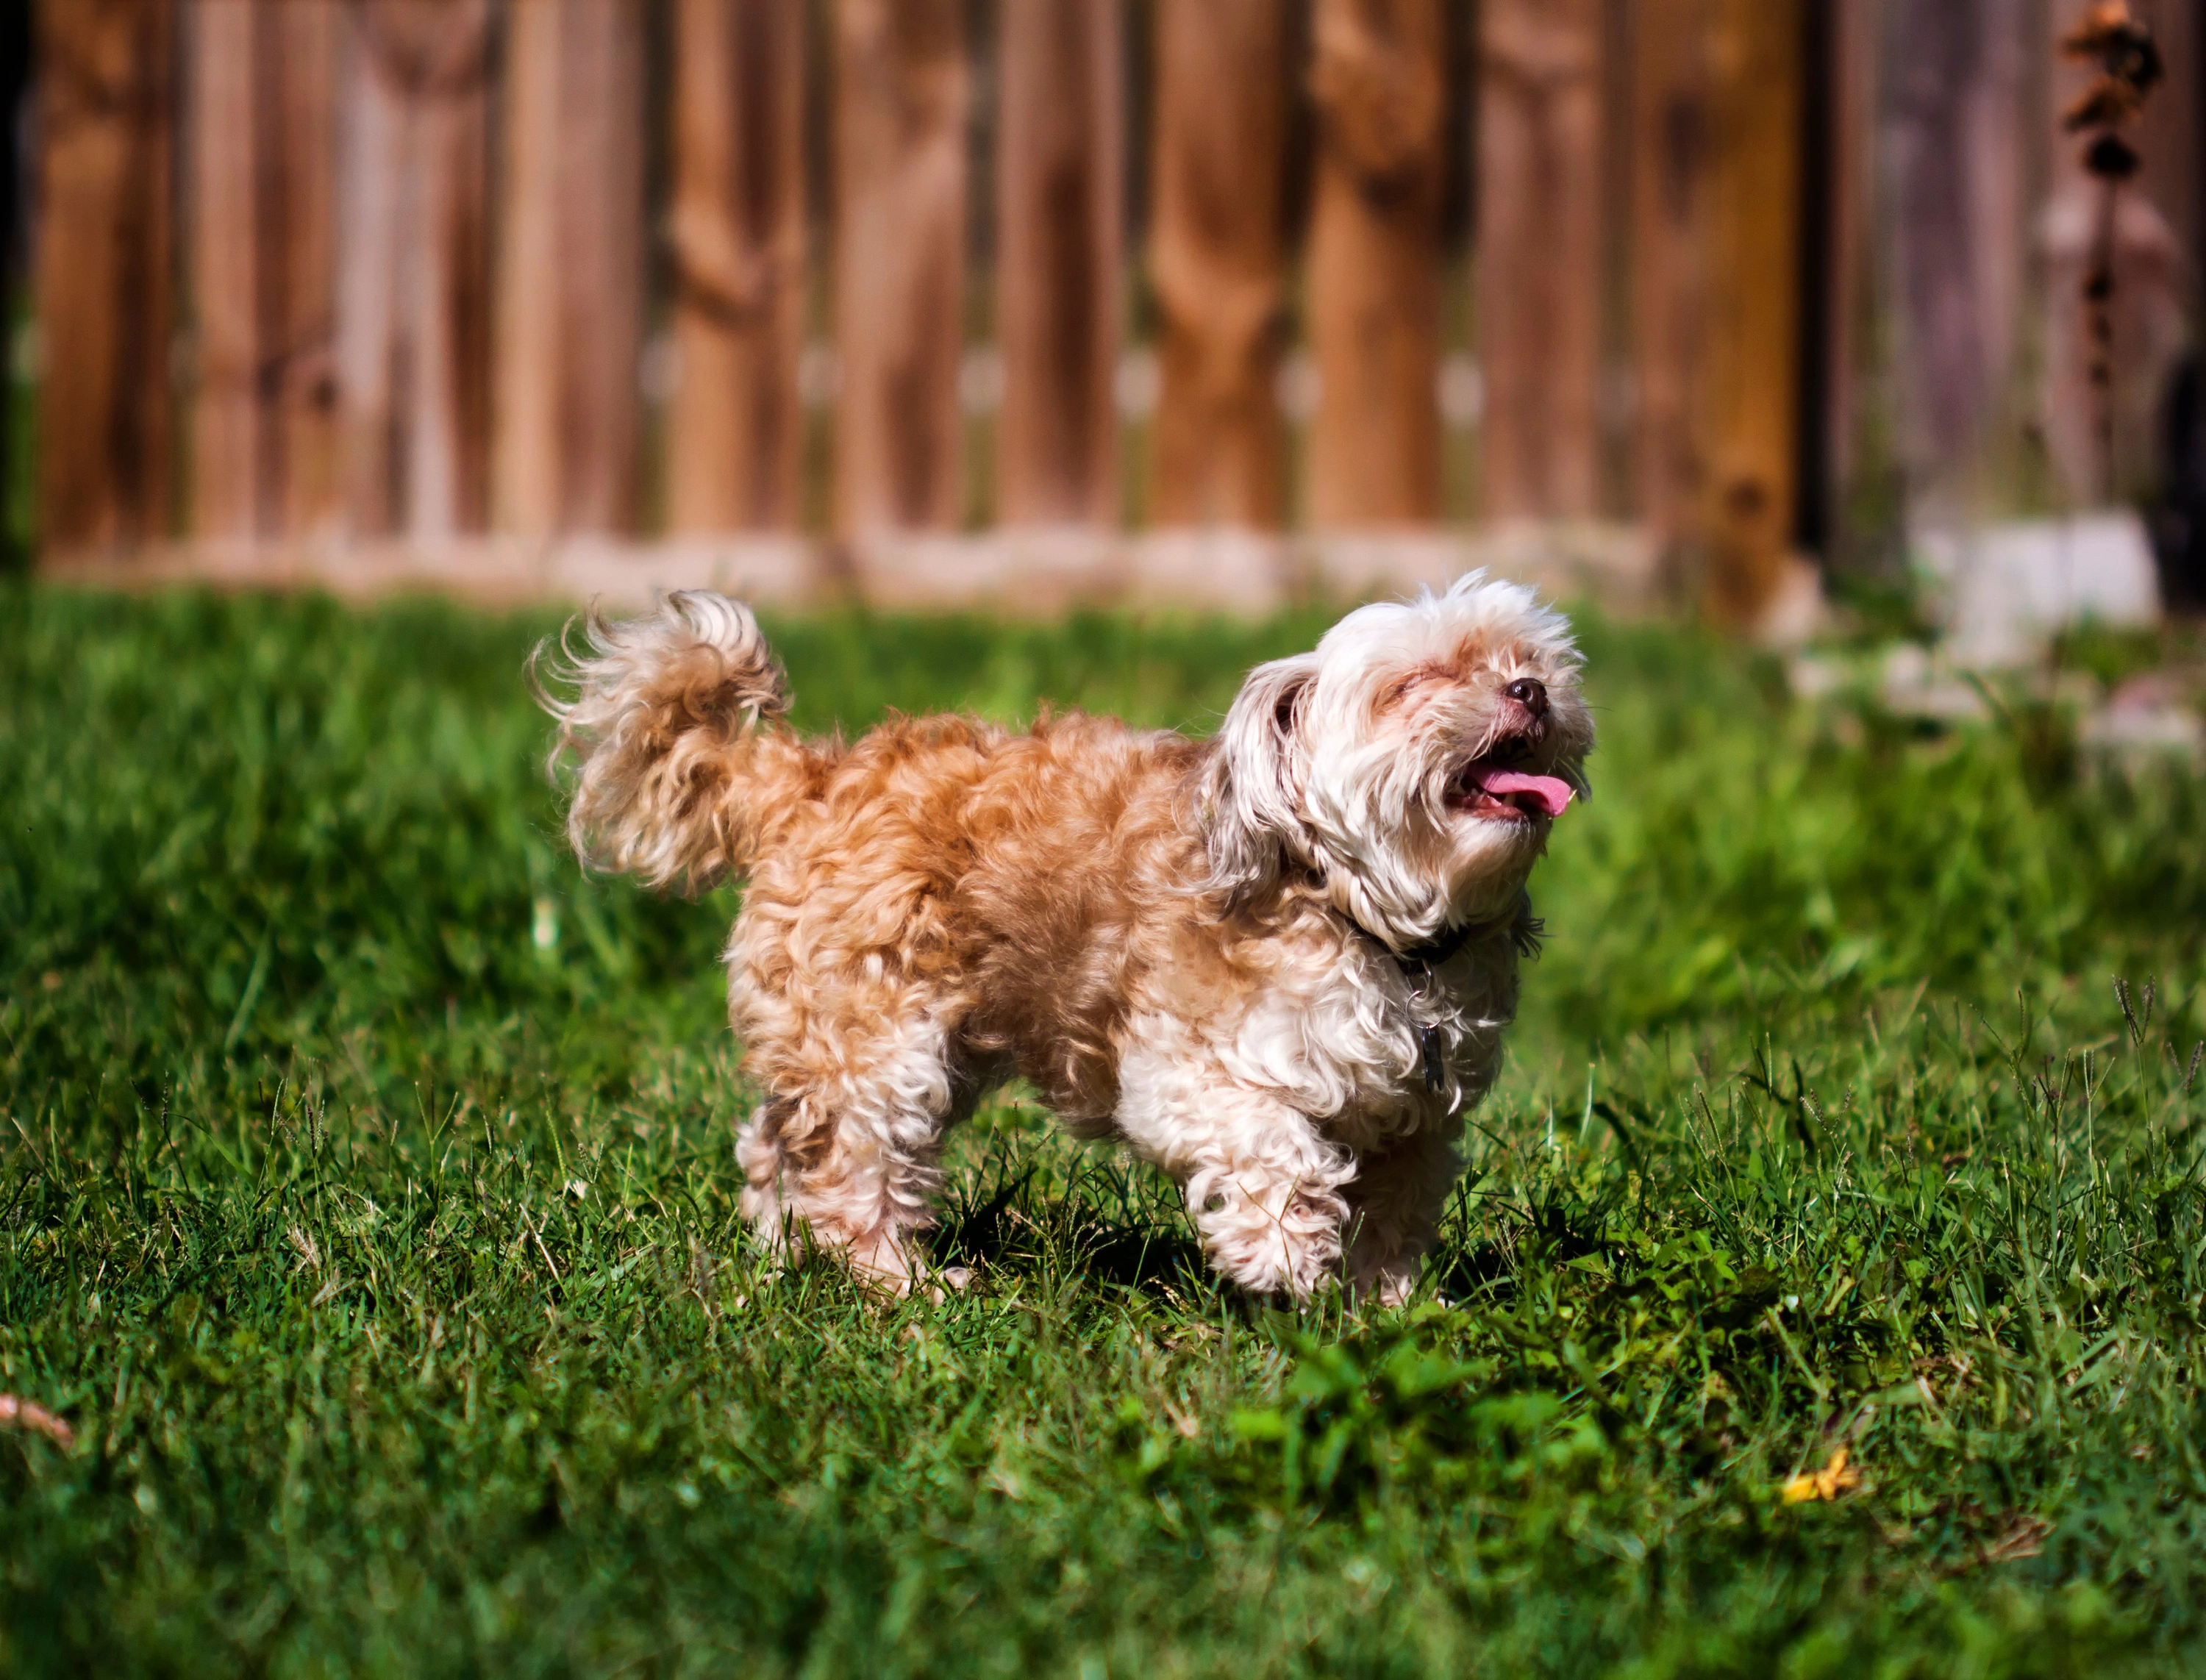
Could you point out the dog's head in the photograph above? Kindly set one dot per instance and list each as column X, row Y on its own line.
column 1413, row 761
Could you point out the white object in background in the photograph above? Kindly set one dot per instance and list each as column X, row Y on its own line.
column 2154, row 716
column 2009, row 587
column 819, row 376
column 1462, row 393
column 1795, row 611
column 1296, row 387
column 1137, row 385
column 979, row 380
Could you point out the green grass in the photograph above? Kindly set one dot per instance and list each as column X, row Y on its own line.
column 368, row 1204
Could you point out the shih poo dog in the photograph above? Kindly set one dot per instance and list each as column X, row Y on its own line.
column 1277, row 963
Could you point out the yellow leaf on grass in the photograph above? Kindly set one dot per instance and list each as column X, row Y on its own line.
column 1827, row 1483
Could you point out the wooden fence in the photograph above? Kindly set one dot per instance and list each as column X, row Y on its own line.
column 1030, row 298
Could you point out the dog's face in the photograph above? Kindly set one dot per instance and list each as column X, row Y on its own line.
column 1414, row 760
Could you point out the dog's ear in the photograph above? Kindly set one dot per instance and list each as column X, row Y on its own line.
column 1252, row 791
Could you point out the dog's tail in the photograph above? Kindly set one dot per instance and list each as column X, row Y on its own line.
column 683, row 767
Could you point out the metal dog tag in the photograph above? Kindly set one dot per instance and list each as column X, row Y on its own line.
column 1428, row 1040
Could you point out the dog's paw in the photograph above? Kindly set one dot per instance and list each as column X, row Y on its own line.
column 1390, row 1286
column 948, row 1280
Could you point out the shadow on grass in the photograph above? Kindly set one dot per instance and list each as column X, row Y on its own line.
column 1027, row 1215
column 1002, row 1230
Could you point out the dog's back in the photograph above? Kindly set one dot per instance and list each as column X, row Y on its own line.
column 1008, row 879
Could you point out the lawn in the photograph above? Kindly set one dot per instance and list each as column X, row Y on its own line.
column 367, row 1207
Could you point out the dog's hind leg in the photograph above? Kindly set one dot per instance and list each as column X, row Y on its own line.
column 846, row 1143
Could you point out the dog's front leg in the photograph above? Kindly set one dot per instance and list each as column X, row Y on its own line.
column 1394, row 1211
column 1263, row 1184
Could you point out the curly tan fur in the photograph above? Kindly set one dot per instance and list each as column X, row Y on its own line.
column 1191, row 946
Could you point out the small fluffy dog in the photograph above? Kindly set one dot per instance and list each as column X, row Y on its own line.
column 1277, row 963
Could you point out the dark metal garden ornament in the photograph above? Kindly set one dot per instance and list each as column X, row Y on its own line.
column 2129, row 68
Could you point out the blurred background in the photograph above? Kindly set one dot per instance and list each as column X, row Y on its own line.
column 1736, row 304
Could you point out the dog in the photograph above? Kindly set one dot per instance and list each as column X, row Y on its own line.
column 1277, row 963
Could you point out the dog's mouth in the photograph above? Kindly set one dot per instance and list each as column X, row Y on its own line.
column 1497, row 786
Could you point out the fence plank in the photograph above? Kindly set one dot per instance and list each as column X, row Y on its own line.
column 2170, row 137
column 570, row 280
column 262, row 173
column 413, row 304
column 296, row 235
column 1951, row 127
column 1374, row 261
column 1672, row 141
column 1756, row 53
column 1539, row 256
column 901, row 91
column 528, row 425
column 734, row 429
column 225, row 442
column 1217, row 259
column 1058, row 253
column 1848, row 457
column 106, row 115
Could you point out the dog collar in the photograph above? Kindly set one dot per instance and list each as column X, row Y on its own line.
column 1419, row 965
column 1436, row 950
column 1423, row 958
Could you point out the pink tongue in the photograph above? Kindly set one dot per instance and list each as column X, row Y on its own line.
column 1552, row 791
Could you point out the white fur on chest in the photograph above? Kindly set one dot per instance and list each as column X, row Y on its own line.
column 1338, row 1034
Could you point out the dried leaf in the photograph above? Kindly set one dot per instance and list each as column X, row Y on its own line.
column 308, row 1250
column 1833, row 1479
column 2024, row 1538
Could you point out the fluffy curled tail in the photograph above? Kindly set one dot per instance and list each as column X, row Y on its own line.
column 683, row 767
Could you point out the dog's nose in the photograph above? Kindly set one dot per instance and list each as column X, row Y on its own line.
column 1530, row 693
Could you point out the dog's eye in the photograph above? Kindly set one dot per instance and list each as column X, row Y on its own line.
column 1409, row 682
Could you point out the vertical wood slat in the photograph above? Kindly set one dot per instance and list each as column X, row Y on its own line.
column 262, row 172
column 1672, row 138
column 1218, row 259
column 296, row 70
column 1952, row 126
column 902, row 85
column 1379, row 86
column 2168, row 295
column 526, row 418
column 225, row 442
column 2170, row 137
column 1059, row 240
column 1848, row 455
column 735, row 431
column 1539, row 256
column 106, row 116
column 412, row 290
column 566, row 411
column 1757, row 52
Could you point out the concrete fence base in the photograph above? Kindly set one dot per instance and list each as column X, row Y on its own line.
column 1036, row 572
